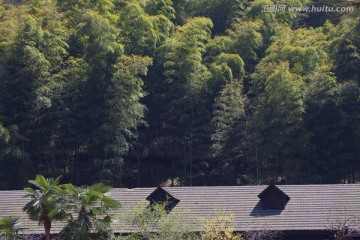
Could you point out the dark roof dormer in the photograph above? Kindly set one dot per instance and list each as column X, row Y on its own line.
column 273, row 198
column 161, row 196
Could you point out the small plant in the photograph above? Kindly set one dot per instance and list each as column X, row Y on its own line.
column 155, row 222
column 8, row 228
column 219, row 228
column 344, row 227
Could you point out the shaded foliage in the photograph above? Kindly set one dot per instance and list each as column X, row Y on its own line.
column 141, row 93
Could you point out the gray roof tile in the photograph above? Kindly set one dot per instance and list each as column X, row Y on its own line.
column 311, row 207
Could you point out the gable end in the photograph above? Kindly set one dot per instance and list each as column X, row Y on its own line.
column 273, row 198
column 161, row 196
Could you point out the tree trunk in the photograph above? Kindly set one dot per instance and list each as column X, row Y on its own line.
column 185, row 165
column 190, row 147
column 139, row 154
column 88, row 226
column 47, row 226
column 173, row 163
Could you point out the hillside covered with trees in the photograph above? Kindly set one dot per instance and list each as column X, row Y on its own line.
column 184, row 92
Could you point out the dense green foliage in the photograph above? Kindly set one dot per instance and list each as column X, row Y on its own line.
column 85, row 209
column 9, row 229
column 155, row 223
column 139, row 93
column 43, row 201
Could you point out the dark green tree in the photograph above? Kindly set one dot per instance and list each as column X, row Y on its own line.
column 248, row 41
column 124, row 113
column 33, row 57
column 228, row 125
column 282, row 112
column 222, row 13
column 350, row 136
column 43, row 201
column 154, row 29
column 323, row 120
column 158, row 7
column 185, row 85
column 345, row 45
column 88, row 212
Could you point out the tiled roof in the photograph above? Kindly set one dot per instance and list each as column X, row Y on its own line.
column 311, row 207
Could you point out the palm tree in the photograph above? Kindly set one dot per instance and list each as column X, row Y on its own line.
column 8, row 228
column 88, row 210
column 43, row 201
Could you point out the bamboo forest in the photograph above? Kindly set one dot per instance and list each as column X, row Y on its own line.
column 139, row 93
